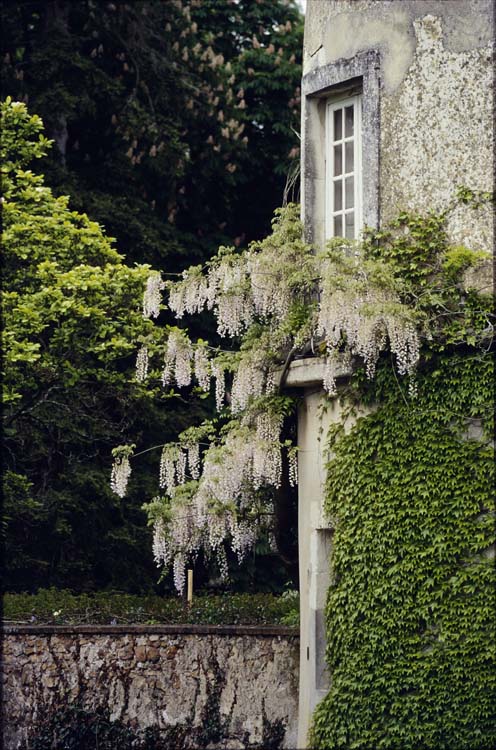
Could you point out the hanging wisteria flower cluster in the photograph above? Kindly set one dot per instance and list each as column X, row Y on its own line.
column 177, row 361
column 220, row 504
column 121, row 469
column 249, row 381
column 281, row 298
column 225, row 289
column 153, row 296
column 365, row 317
column 142, row 364
column 263, row 281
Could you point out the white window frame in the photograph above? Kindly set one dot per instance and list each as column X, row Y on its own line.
column 356, row 138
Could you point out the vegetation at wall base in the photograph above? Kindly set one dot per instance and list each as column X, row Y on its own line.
column 78, row 728
column 60, row 607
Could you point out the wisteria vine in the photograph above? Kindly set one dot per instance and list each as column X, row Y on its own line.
column 273, row 299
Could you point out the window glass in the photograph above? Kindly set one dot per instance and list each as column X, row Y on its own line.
column 350, row 226
column 343, row 179
column 338, row 159
column 349, row 187
column 349, row 157
column 338, row 124
column 349, row 122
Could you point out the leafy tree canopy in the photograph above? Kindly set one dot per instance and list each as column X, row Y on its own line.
column 174, row 126
column 73, row 319
column 174, row 123
column 72, row 314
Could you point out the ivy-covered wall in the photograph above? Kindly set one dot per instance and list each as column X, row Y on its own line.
column 410, row 613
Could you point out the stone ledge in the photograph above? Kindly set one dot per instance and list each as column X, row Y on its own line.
column 308, row 372
column 180, row 629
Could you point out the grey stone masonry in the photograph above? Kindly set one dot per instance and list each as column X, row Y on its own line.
column 158, row 675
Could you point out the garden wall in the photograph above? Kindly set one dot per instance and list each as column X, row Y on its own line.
column 225, row 686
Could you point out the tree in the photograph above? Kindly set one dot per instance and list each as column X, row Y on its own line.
column 72, row 319
column 175, row 123
column 154, row 138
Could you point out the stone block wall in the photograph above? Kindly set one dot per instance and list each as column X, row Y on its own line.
column 240, row 681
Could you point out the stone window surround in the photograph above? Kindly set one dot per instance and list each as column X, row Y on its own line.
column 362, row 72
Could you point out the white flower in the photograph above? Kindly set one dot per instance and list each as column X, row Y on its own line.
column 152, row 297
column 142, row 364
column 178, row 358
column 220, row 385
column 167, row 472
column 293, row 467
column 121, row 471
column 193, row 451
column 202, row 367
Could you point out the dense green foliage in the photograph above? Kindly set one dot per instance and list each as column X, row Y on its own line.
column 410, row 612
column 175, row 122
column 72, row 317
column 59, row 607
column 174, row 126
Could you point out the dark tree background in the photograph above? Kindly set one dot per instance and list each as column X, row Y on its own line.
column 175, row 127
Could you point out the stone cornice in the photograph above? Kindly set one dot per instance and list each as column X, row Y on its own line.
column 180, row 629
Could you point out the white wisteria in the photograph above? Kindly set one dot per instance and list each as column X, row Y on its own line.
column 152, row 298
column 202, row 366
column 225, row 288
column 233, row 305
column 142, row 364
column 249, row 381
column 293, row 467
column 167, row 469
column 218, row 372
column 364, row 317
column 276, row 299
column 220, row 505
column 178, row 356
column 121, row 469
column 190, row 294
column 193, row 455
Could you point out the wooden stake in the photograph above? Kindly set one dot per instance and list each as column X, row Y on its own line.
column 190, row 588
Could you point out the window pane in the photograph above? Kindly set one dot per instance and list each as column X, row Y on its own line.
column 350, row 225
column 349, row 189
column 338, row 160
column 338, row 226
column 348, row 121
column 338, row 124
column 349, row 155
column 338, row 195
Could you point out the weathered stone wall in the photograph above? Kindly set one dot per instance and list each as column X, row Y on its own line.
column 154, row 675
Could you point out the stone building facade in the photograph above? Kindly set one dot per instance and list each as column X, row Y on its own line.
column 397, row 113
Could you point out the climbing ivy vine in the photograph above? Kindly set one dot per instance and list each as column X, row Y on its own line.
column 411, row 639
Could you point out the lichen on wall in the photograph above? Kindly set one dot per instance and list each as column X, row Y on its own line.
column 224, row 690
column 437, row 134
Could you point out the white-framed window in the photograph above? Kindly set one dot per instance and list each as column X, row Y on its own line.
column 343, row 182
